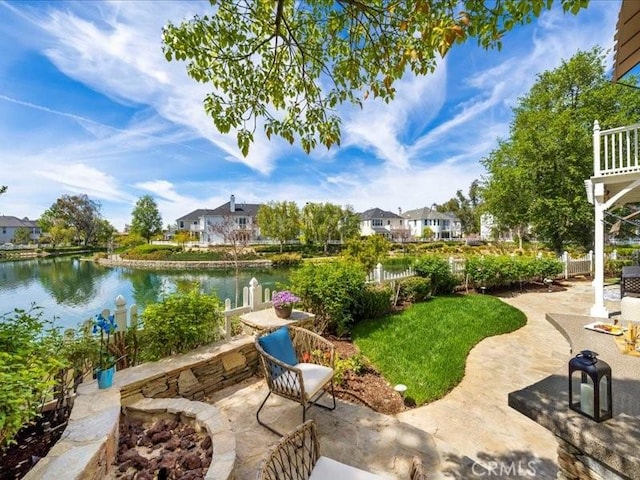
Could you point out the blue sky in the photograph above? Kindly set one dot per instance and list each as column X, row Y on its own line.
column 90, row 105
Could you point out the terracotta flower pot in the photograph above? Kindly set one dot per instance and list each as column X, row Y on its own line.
column 283, row 312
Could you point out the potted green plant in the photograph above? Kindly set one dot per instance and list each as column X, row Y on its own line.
column 283, row 303
column 106, row 364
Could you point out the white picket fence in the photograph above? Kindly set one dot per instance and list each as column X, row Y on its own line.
column 380, row 275
column 577, row 266
column 572, row 267
column 254, row 297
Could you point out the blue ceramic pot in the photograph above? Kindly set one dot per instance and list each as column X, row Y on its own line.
column 105, row 377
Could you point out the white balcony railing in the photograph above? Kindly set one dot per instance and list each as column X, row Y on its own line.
column 615, row 151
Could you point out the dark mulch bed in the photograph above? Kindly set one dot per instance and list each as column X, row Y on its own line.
column 367, row 387
column 32, row 443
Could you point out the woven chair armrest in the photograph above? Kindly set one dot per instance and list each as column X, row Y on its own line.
column 295, row 453
column 306, row 343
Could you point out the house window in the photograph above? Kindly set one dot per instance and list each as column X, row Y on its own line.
column 376, row 222
column 241, row 222
column 4, row 229
column 426, row 222
column 388, row 222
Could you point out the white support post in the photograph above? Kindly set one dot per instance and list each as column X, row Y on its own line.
column 565, row 262
column 598, row 309
column 133, row 317
column 378, row 273
column 120, row 313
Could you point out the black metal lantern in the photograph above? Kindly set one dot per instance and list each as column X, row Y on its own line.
column 590, row 386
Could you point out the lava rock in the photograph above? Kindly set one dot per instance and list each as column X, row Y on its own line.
column 191, row 461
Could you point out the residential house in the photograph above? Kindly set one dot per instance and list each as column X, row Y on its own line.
column 488, row 229
column 443, row 226
column 9, row 225
column 210, row 226
column 380, row 222
column 191, row 221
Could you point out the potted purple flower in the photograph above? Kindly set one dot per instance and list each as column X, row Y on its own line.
column 283, row 303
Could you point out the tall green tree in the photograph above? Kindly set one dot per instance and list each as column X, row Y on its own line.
column 466, row 208
column 78, row 212
column 146, row 220
column 511, row 194
column 321, row 223
column 280, row 221
column 306, row 58
column 22, row 235
column 549, row 152
column 367, row 252
column 105, row 232
column 349, row 225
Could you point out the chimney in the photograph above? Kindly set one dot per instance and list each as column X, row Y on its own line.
column 232, row 204
column 400, row 211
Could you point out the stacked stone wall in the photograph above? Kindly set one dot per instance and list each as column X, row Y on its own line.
column 573, row 464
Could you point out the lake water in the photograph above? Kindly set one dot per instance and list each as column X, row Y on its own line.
column 73, row 291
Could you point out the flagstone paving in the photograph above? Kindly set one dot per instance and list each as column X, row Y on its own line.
column 459, row 436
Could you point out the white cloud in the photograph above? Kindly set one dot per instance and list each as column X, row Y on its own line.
column 80, row 178
column 117, row 51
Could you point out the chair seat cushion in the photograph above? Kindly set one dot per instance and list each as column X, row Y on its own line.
column 278, row 344
column 314, row 378
column 326, row 468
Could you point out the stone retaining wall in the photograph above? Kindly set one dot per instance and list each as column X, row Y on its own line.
column 116, row 261
column 88, row 445
column 573, row 464
column 203, row 416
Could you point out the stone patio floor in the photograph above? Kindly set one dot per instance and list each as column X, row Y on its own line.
column 459, row 436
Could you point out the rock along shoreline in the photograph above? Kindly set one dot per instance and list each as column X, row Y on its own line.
column 116, row 261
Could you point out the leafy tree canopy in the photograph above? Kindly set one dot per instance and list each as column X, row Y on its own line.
column 280, row 221
column 536, row 177
column 146, row 220
column 77, row 212
column 290, row 63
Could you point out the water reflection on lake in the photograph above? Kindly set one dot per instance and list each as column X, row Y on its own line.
column 74, row 290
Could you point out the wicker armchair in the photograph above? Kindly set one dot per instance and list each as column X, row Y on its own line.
column 297, row 457
column 305, row 381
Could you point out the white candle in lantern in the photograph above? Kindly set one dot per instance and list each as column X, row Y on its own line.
column 603, row 395
column 586, row 398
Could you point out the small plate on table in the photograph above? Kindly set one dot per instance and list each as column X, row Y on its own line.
column 608, row 328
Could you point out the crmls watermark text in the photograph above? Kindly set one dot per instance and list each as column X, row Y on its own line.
column 505, row 469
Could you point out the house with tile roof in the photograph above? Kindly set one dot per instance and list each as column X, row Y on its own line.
column 207, row 224
column 445, row 226
column 9, row 225
column 376, row 221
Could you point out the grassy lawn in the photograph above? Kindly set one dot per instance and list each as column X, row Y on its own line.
column 426, row 346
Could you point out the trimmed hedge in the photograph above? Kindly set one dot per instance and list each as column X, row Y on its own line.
column 504, row 271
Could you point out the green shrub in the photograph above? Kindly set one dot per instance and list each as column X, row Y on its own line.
column 373, row 301
column 286, row 260
column 181, row 322
column 414, row 289
column 355, row 364
column 505, row 270
column 29, row 363
column 330, row 291
column 613, row 268
column 437, row 270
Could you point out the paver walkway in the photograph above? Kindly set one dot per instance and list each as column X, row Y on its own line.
column 473, row 423
column 456, row 436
